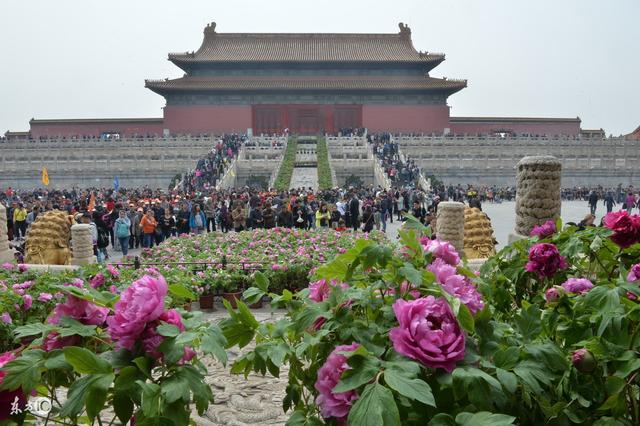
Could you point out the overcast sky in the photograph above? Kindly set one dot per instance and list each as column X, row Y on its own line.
column 542, row 58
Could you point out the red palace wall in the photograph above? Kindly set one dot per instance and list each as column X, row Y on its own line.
column 207, row 119
column 541, row 127
column 81, row 128
column 405, row 118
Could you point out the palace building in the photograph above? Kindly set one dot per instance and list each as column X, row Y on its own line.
column 306, row 83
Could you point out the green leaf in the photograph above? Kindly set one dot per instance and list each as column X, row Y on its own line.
column 172, row 351
column 71, row 327
column 466, row 319
column 261, row 281
column 150, row 398
column 508, row 380
column 528, row 321
column 442, row 419
column 299, row 418
column 507, row 358
column 155, row 421
column 21, row 372
column 55, row 360
column 97, row 394
column 375, row 407
column 80, row 391
column 533, row 374
column 484, row 418
column 181, row 291
column 415, row 389
column 213, row 342
column 168, row 330
column 364, row 370
column 409, row 272
column 123, row 406
column 144, row 364
column 253, row 295
column 84, row 361
column 28, row 330
column 175, row 387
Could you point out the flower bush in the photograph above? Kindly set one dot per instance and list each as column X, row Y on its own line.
column 126, row 357
column 380, row 338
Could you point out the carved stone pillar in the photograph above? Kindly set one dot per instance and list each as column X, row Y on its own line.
column 450, row 224
column 82, row 245
column 537, row 192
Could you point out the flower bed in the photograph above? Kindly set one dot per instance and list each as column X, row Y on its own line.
column 286, row 256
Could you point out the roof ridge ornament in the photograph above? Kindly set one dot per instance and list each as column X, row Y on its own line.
column 405, row 31
column 210, row 28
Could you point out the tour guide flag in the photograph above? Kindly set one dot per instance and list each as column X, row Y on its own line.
column 92, row 202
column 45, row 176
column 116, row 183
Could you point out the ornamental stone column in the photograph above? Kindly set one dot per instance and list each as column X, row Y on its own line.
column 450, row 224
column 537, row 192
column 82, row 245
column 6, row 254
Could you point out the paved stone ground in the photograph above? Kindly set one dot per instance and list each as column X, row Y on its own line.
column 304, row 177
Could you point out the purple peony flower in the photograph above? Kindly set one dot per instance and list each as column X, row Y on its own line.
column 320, row 290
column 577, row 285
column 80, row 310
column 6, row 318
column 7, row 266
column 442, row 270
column 141, row 303
column 545, row 230
column 113, row 271
column 45, row 297
column 634, row 273
column 8, row 398
column 545, row 260
column 551, row 295
column 428, row 332
column 441, row 250
column 27, row 301
column 97, row 280
column 22, row 267
column 626, row 228
column 151, row 339
column 335, row 404
column 461, row 288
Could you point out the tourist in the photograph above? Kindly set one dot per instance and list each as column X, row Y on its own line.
column 609, row 202
column 33, row 214
column 167, row 224
column 182, row 220
column 419, row 212
column 255, row 220
column 148, row 224
column 136, row 229
column 268, row 216
column 354, row 212
column 593, row 201
column 238, row 216
column 222, row 216
column 323, row 216
column 20, row 221
column 103, row 235
column 197, row 220
column 629, row 203
column 367, row 219
column 123, row 231
column 210, row 213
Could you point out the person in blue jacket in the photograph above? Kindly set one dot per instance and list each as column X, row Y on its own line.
column 197, row 220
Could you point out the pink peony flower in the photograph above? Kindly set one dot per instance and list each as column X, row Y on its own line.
column 6, row 318
column 335, row 404
column 634, row 273
column 76, row 282
column 626, row 228
column 441, row 270
column 97, row 280
column 80, row 310
column 320, row 290
column 577, row 285
column 583, row 360
column 45, row 297
column 428, row 332
column 545, row 230
column 22, row 267
column 545, row 260
column 461, row 288
column 551, row 295
column 53, row 340
column 7, row 266
column 441, row 250
column 141, row 303
column 27, row 301
column 113, row 271
column 151, row 339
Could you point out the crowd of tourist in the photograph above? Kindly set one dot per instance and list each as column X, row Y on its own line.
column 400, row 173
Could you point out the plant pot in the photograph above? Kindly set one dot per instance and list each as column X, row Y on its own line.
column 256, row 305
column 206, row 301
column 233, row 298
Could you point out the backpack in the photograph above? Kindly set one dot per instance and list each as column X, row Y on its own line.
column 122, row 230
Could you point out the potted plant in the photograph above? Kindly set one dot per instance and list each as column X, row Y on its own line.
column 233, row 288
column 206, row 295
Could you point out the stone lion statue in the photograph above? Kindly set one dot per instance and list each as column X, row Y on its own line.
column 478, row 234
column 48, row 238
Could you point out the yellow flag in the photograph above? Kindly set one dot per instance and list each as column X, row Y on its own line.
column 45, row 176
